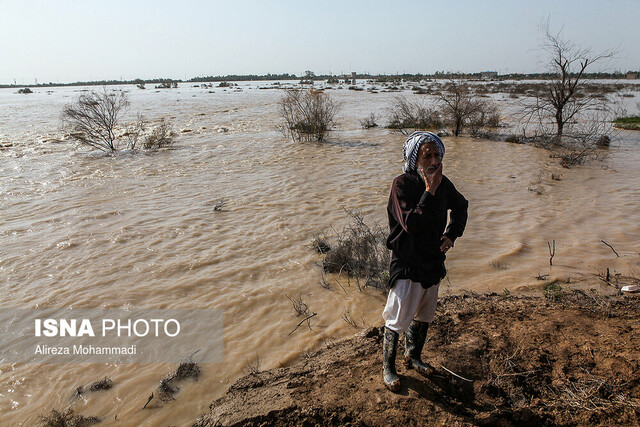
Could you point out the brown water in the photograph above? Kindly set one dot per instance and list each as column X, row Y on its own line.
column 85, row 230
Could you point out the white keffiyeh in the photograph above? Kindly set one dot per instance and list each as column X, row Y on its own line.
column 412, row 146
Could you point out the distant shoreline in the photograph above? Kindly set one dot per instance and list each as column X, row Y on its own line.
column 267, row 77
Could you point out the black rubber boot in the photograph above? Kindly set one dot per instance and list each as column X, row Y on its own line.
column 389, row 347
column 415, row 338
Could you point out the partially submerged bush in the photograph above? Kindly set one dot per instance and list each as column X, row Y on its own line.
column 167, row 85
column 167, row 387
column 369, row 122
column 67, row 418
column 577, row 149
column 320, row 243
column 308, row 114
column 412, row 115
column 299, row 305
column 160, row 136
column 463, row 109
column 103, row 384
column 581, row 142
column 360, row 250
column 486, row 116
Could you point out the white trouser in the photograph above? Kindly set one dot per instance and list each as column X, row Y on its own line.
column 408, row 300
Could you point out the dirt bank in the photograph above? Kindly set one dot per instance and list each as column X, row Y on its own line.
column 569, row 359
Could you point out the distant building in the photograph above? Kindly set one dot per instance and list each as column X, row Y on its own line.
column 632, row 76
column 489, row 74
column 349, row 79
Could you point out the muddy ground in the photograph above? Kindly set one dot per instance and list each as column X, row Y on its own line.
column 570, row 358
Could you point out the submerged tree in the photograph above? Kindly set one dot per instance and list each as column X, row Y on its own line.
column 569, row 119
column 564, row 99
column 94, row 117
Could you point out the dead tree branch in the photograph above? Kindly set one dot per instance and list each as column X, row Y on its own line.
column 611, row 247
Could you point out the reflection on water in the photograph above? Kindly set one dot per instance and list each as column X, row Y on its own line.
column 85, row 230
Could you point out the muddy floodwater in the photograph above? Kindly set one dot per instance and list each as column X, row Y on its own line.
column 80, row 229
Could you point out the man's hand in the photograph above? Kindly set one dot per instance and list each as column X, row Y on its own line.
column 432, row 179
column 446, row 244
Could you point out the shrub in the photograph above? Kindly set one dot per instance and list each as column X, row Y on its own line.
column 585, row 141
column 167, row 85
column 485, row 116
column 160, row 137
column 360, row 251
column 67, row 418
column 308, row 114
column 462, row 109
column 168, row 387
column 369, row 122
column 320, row 243
column 553, row 291
column 406, row 115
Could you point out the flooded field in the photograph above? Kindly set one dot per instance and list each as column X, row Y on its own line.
column 80, row 229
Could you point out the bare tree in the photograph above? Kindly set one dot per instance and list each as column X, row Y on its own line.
column 308, row 114
column 461, row 108
column 94, row 117
column 564, row 99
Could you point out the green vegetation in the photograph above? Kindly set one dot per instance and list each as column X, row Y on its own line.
column 629, row 123
column 553, row 291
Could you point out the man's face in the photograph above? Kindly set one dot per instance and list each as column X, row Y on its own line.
column 428, row 158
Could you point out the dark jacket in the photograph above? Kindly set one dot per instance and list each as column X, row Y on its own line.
column 417, row 221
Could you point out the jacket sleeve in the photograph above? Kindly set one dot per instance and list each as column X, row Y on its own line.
column 458, row 217
column 413, row 217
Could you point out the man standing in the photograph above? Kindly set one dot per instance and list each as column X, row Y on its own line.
column 419, row 238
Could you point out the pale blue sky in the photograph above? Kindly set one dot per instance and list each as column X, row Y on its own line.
column 72, row 40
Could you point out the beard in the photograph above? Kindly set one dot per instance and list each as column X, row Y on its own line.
column 427, row 171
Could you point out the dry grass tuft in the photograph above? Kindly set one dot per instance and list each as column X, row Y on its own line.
column 67, row 418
